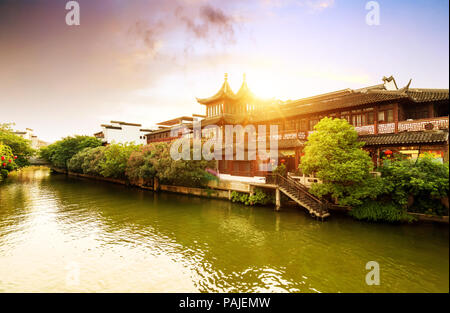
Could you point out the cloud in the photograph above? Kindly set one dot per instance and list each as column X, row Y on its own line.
column 209, row 23
column 316, row 5
column 312, row 6
column 147, row 36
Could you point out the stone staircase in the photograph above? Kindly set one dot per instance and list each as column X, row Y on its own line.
column 300, row 194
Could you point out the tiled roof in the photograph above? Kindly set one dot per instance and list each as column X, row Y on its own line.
column 424, row 95
column 405, row 138
column 290, row 143
column 350, row 99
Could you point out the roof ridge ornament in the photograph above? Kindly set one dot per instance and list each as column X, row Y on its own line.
column 388, row 80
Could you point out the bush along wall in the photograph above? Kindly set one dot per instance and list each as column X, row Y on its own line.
column 334, row 154
column 7, row 161
column 417, row 186
column 138, row 164
column 259, row 197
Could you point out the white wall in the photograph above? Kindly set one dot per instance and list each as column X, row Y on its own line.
column 128, row 134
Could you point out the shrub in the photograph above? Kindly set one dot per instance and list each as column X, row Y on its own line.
column 371, row 210
column 260, row 197
column 115, row 158
column 281, row 170
column 20, row 147
column 87, row 161
column 76, row 162
column 3, row 174
column 189, row 173
column 92, row 161
column 7, row 163
column 425, row 179
column 141, row 164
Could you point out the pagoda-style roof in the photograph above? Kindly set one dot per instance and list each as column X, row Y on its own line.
column 226, row 92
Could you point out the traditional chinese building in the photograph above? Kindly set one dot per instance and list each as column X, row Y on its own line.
column 122, row 132
column 408, row 120
column 163, row 133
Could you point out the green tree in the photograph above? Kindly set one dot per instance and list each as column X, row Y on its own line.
column 60, row 152
column 20, row 147
column 335, row 156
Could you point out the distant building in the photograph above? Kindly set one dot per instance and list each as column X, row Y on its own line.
column 28, row 134
column 163, row 133
column 122, row 132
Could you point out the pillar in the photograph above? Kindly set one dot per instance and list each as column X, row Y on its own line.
column 396, row 117
column 277, row 199
column 430, row 110
column 375, row 120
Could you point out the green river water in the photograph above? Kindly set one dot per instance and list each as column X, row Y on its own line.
column 62, row 234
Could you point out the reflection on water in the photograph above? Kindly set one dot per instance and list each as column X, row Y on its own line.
column 69, row 234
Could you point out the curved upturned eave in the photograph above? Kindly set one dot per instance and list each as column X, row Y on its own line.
column 225, row 92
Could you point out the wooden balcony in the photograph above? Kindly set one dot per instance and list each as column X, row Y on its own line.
column 382, row 128
column 424, row 124
column 402, row 126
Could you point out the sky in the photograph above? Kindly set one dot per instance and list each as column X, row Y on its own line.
column 147, row 61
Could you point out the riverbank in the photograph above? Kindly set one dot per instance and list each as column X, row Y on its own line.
column 223, row 190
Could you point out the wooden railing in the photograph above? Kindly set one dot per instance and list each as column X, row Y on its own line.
column 299, row 190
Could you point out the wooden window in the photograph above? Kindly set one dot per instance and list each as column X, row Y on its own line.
column 346, row 115
column 370, row 118
column 386, row 116
column 390, row 116
column 313, row 123
column 358, row 118
column 304, row 125
column 290, row 125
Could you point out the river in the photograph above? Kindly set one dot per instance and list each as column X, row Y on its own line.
column 62, row 234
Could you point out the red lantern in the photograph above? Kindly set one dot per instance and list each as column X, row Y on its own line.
column 15, row 157
column 9, row 160
column 3, row 158
column 4, row 164
column 388, row 152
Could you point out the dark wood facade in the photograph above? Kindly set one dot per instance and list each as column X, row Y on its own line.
column 406, row 120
